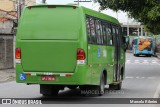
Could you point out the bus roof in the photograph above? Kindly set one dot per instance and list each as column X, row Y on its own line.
column 86, row 11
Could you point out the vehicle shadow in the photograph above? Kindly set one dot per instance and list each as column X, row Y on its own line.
column 75, row 97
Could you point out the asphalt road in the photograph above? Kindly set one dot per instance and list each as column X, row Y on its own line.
column 142, row 81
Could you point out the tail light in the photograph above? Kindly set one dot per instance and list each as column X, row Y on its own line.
column 80, row 54
column 18, row 53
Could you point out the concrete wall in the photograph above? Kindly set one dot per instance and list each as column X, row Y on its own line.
column 6, row 27
column 6, row 44
column 6, row 51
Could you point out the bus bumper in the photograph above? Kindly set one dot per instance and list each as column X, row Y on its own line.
column 79, row 77
column 144, row 52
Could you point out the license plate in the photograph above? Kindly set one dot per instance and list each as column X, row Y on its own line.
column 48, row 78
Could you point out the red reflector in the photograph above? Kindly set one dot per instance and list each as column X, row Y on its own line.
column 80, row 54
column 51, row 6
column 18, row 53
column 68, row 75
column 28, row 74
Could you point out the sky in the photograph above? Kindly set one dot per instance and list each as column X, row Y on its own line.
column 122, row 17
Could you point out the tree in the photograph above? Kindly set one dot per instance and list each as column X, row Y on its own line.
column 145, row 11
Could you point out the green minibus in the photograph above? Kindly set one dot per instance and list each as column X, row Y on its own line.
column 60, row 46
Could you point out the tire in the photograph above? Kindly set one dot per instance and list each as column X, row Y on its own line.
column 49, row 90
column 116, row 86
column 98, row 90
column 135, row 55
column 148, row 55
column 101, row 87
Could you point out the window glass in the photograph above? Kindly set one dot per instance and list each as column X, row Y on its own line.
column 101, row 35
column 92, row 28
column 114, row 34
column 104, row 34
column 88, row 31
column 109, row 35
column 121, row 36
column 98, row 32
column 118, row 36
column 101, row 32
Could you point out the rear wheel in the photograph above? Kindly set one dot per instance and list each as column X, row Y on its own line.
column 117, row 86
column 101, row 87
column 94, row 89
column 49, row 90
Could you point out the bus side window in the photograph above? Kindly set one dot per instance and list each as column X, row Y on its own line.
column 101, row 31
column 118, row 35
column 98, row 31
column 104, row 34
column 92, row 29
column 122, row 42
column 114, row 34
column 109, row 35
column 88, row 31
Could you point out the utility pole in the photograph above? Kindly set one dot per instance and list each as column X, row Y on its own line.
column 20, row 7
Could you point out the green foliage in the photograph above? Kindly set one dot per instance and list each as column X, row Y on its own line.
column 145, row 11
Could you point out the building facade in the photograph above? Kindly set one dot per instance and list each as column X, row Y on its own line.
column 9, row 11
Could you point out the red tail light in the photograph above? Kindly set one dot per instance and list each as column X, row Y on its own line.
column 18, row 53
column 80, row 54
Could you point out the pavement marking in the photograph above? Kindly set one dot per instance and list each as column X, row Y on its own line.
column 157, row 93
column 145, row 62
column 151, row 62
column 136, row 62
column 131, row 77
column 151, row 77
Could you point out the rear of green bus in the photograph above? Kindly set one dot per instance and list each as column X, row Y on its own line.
column 50, row 48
